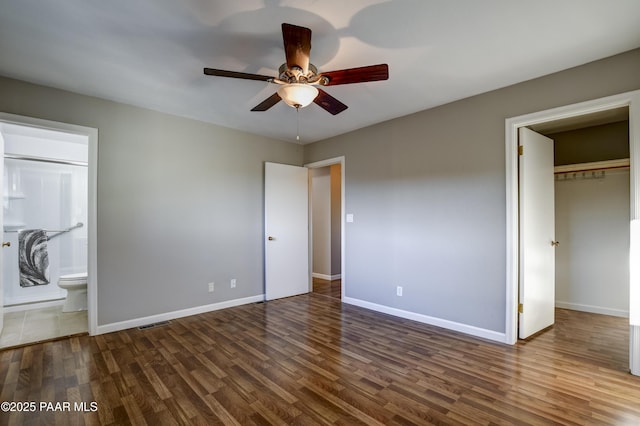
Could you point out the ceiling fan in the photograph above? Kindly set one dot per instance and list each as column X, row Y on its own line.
column 298, row 78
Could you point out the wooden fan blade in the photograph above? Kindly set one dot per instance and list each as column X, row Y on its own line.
column 329, row 103
column 357, row 75
column 235, row 74
column 297, row 46
column 267, row 103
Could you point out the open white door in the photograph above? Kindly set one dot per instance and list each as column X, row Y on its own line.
column 537, row 233
column 286, row 216
column 2, row 228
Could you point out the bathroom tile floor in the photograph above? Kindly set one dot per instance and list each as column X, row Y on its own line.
column 41, row 324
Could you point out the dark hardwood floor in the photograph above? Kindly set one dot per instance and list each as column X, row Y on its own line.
column 311, row 360
column 328, row 288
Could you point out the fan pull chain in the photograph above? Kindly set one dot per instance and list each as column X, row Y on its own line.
column 297, row 123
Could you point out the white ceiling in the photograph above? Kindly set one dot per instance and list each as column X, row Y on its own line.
column 151, row 53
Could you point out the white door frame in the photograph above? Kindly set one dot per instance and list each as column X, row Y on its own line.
column 325, row 163
column 92, row 260
column 630, row 100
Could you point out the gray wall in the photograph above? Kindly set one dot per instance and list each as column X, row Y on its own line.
column 428, row 195
column 180, row 202
column 594, row 143
column 336, row 222
column 321, row 220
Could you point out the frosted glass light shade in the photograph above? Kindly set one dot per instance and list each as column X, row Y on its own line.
column 297, row 95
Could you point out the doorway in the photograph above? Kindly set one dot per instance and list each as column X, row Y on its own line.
column 571, row 247
column 592, row 213
column 52, row 163
column 326, row 213
column 602, row 106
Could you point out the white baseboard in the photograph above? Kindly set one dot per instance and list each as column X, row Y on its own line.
column 137, row 322
column 593, row 309
column 34, row 305
column 438, row 322
column 326, row 277
column 40, row 298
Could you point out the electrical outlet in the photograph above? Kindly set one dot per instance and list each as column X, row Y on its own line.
column 233, row 283
column 211, row 287
column 399, row 291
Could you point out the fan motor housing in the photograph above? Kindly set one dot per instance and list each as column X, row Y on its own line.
column 294, row 75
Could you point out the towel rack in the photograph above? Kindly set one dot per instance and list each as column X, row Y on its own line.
column 64, row 231
column 57, row 232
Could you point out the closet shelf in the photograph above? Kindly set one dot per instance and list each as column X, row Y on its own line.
column 621, row 164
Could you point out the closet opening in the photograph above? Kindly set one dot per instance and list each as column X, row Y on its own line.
column 592, row 215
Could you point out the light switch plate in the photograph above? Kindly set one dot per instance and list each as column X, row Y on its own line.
column 350, row 217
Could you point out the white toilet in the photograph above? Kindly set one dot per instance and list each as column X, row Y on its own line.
column 76, row 286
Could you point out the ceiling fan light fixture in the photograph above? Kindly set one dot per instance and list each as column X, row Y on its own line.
column 297, row 95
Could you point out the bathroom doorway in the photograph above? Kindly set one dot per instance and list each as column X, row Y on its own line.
column 47, row 186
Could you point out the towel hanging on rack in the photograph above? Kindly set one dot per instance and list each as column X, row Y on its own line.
column 33, row 257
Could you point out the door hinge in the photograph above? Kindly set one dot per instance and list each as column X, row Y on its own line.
column 520, row 307
column 520, row 149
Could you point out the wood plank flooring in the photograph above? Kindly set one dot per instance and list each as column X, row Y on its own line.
column 311, row 360
column 328, row 288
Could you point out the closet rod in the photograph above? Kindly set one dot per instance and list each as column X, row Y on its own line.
column 596, row 166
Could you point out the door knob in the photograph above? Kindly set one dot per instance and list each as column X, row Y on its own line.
column 6, row 244
column 555, row 243
column 271, row 238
